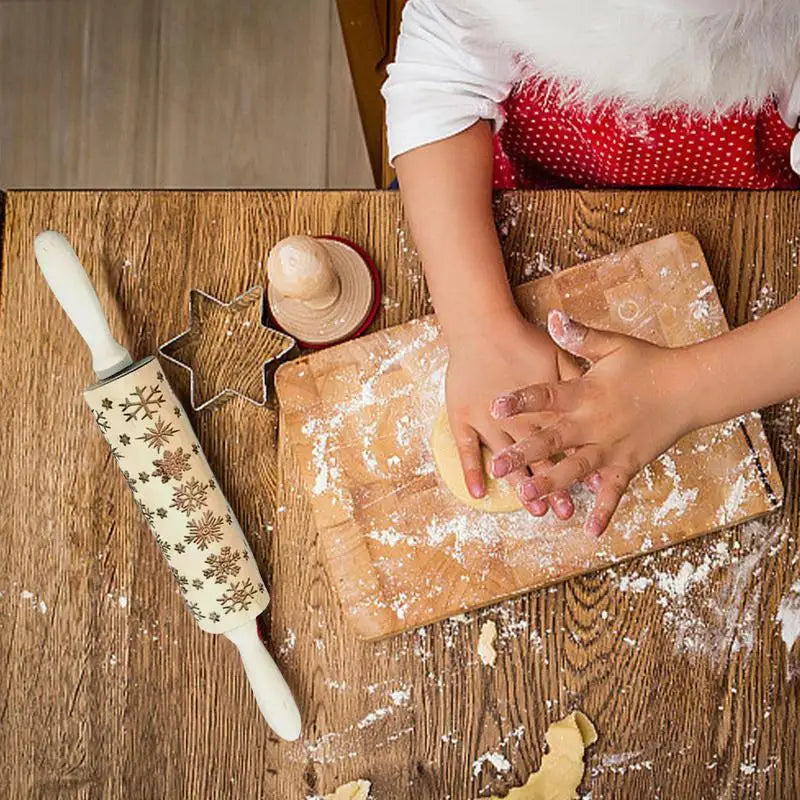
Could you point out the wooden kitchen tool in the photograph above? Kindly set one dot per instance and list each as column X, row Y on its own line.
column 402, row 551
column 322, row 290
column 159, row 454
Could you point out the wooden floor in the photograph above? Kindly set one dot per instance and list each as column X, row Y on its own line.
column 177, row 94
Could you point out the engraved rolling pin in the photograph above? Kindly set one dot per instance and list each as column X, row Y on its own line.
column 155, row 446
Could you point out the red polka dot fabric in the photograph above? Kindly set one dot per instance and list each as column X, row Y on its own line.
column 546, row 142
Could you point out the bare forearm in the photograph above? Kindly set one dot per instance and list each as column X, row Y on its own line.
column 749, row 368
column 446, row 188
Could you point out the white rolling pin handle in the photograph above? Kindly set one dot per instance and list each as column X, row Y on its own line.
column 272, row 693
column 71, row 285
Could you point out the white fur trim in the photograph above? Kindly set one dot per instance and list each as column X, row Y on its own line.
column 705, row 55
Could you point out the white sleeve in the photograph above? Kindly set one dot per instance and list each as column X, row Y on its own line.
column 448, row 73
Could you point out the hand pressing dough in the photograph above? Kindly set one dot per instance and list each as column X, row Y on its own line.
column 486, row 651
column 355, row 790
column 500, row 495
column 562, row 766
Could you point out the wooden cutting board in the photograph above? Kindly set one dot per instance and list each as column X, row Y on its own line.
column 403, row 552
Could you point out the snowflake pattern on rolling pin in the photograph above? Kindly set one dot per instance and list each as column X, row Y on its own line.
column 222, row 565
column 144, row 400
column 190, row 496
column 171, row 465
column 205, row 530
column 102, row 422
column 238, row 596
column 159, row 435
column 178, row 497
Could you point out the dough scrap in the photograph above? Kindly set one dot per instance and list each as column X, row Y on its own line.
column 355, row 790
column 486, row 651
column 500, row 495
column 562, row 766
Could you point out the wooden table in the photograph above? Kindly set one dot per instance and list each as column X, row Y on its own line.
column 108, row 689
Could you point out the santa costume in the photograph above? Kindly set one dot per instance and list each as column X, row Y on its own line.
column 606, row 92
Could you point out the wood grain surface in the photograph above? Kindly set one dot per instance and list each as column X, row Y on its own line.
column 189, row 93
column 402, row 551
column 682, row 668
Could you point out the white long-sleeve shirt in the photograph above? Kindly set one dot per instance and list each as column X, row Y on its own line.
column 456, row 62
column 447, row 74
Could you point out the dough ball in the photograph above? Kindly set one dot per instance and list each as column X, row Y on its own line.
column 500, row 495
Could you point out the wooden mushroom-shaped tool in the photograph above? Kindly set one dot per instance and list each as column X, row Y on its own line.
column 321, row 290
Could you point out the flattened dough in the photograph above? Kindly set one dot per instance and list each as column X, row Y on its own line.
column 499, row 497
column 486, row 651
column 559, row 776
column 355, row 790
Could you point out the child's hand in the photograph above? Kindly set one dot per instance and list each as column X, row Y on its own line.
column 632, row 404
column 482, row 366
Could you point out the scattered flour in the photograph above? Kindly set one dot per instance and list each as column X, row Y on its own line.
column 340, row 745
column 734, row 499
column 497, row 760
column 400, row 697
column 789, row 616
column 782, row 425
column 766, row 300
column 495, row 757
column 373, row 717
column 620, row 763
column 35, row 601
column 710, row 603
column 288, row 643
column 679, row 498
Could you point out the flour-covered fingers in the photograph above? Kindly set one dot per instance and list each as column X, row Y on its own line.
column 572, row 469
column 536, row 506
column 538, row 446
column 499, row 440
column 580, row 340
column 538, row 397
column 613, row 483
column 519, row 428
column 468, row 445
column 562, row 504
column 594, row 482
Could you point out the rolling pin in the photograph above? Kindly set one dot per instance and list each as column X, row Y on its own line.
column 157, row 450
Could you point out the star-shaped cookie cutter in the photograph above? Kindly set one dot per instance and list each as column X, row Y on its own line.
column 277, row 344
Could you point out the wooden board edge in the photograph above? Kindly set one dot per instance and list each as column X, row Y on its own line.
column 769, row 475
column 554, row 582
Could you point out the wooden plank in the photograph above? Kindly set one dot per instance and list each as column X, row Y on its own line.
column 51, row 104
column 188, row 94
column 242, row 97
column 172, row 716
column 78, row 90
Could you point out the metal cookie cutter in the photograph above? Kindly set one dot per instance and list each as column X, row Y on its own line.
column 229, row 348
